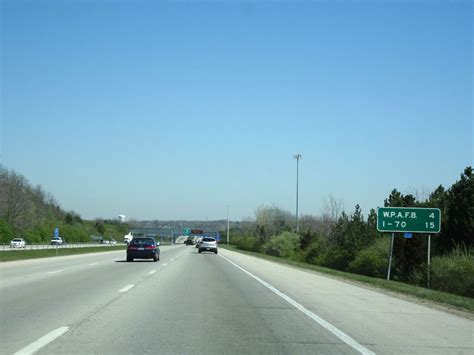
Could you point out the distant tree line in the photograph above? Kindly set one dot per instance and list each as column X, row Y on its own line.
column 351, row 242
column 32, row 213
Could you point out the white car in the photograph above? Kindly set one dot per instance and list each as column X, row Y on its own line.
column 18, row 243
column 127, row 238
column 57, row 241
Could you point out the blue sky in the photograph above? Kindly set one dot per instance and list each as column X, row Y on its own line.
column 173, row 110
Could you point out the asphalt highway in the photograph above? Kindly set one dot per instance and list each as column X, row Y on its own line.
column 205, row 303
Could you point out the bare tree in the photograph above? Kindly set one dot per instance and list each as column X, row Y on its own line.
column 313, row 224
column 332, row 209
column 272, row 220
column 15, row 206
column 421, row 194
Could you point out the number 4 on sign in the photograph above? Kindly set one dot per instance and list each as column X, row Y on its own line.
column 432, row 215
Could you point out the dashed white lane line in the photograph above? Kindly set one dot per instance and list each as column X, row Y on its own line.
column 152, row 272
column 325, row 324
column 55, row 272
column 172, row 259
column 165, row 264
column 92, row 264
column 44, row 340
column 126, row 288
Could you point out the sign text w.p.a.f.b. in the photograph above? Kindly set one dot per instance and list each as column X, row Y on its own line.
column 408, row 219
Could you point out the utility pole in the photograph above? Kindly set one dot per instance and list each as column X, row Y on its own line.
column 297, row 156
column 227, row 224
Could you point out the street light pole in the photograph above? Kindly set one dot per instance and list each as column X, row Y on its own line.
column 227, row 224
column 297, row 157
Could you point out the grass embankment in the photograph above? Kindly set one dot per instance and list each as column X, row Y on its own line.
column 45, row 253
column 442, row 298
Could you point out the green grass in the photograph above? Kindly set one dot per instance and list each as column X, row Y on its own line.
column 443, row 298
column 45, row 253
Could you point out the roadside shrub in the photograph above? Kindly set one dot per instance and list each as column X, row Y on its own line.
column 454, row 273
column 74, row 233
column 334, row 258
column 40, row 233
column 32, row 237
column 371, row 261
column 314, row 250
column 6, row 232
column 247, row 243
column 282, row 245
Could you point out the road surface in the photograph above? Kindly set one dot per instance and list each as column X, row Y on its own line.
column 205, row 303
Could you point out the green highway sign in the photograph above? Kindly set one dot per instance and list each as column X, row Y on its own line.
column 408, row 219
column 187, row 231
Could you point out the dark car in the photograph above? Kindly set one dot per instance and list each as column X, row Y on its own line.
column 189, row 242
column 143, row 248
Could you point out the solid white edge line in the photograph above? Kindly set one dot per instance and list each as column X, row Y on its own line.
column 126, row 288
column 44, row 340
column 55, row 272
column 325, row 324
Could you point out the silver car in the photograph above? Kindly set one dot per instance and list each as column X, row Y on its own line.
column 208, row 244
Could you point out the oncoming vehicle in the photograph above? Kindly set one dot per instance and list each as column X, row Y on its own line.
column 143, row 248
column 57, row 241
column 18, row 243
column 127, row 238
column 198, row 243
column 189, row 241
column 208, row 244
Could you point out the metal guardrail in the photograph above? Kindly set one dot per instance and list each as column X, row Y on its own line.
column 6, row 247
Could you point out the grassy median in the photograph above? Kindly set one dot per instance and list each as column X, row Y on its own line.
column 442, row 298
column 46, row 253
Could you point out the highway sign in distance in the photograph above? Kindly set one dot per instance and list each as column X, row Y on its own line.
column 408, row 219
column 187, row 231
column 196, row 231
column 56, row 232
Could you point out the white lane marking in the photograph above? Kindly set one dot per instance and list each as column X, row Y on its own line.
column 55, row 272
column 325, row 324
column 92, row 264
column 152, row 272
column 126, row 288
column 172, row 259
column 165, row 264
column 44, row 340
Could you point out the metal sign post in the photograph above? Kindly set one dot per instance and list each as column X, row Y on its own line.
column 390, row 257
column 428, row 281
